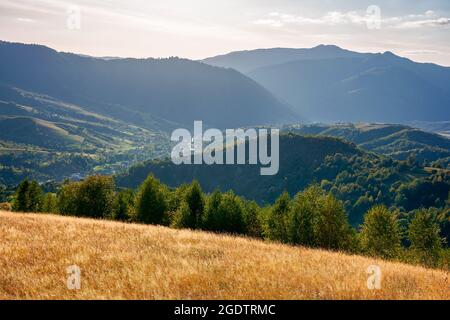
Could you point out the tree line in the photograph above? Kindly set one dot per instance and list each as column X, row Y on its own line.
column 313, row 217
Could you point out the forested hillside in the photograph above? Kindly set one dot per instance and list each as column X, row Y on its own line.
column 65, row 115
column 358, row 178
column 397, row 141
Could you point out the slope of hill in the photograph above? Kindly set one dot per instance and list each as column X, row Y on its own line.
column 126, row 261
column 72, row 114
column 358, row 178
column 441, row 127
column 142, row 91
column 36, row 131
column 327, row 83
column 46, row 138
column 396, row 141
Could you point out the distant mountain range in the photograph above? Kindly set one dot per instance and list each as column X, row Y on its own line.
column 62, row 113
column 146, row 92
column 327, row 83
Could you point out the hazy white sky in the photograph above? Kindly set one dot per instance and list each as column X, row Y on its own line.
column 196, row 29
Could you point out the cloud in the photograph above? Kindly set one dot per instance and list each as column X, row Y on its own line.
column 425, row 23
column 335, row 18
column 27, row 20
column 421, row 52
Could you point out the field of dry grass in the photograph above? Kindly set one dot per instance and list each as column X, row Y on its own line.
column 125, row 261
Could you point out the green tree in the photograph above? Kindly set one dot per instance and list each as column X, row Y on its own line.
column 28, row 197
column 424, row 235
column 225, row 213
column 196, row 203
column 301, row 218
column 68, row 199
column 92, row 197
column 211, row 219
column 380, row 234
column 124, row 205
column 96, row 197
column 252, row 219
column 331, row 228
column 50, row 203
column 277, row 224
column 150, row 202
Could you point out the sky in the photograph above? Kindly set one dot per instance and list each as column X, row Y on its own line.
column 195, row 29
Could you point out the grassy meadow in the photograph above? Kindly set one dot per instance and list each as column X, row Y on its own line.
column 131, row 261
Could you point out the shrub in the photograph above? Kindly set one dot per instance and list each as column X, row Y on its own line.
column 5, row 206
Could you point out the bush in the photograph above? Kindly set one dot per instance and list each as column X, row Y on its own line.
column 5, row 206
column 380, row 234
column 150, row 202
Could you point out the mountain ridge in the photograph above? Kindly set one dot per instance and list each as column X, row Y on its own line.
column 343, row 85
column 175, row 89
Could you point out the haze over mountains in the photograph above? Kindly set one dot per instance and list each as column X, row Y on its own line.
column 63, row 113
column 327, row 83
column 147, row 92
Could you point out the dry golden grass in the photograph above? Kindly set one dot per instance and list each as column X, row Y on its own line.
column 126, row 261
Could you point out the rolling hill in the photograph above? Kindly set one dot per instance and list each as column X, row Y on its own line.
column 327, row 83
column 359, row 178
column 396, row 141
column 129, row 261
column 46, row 138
